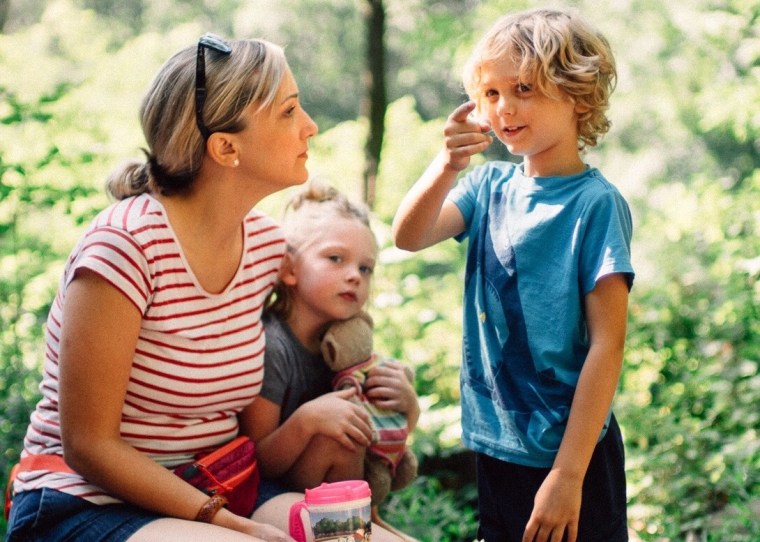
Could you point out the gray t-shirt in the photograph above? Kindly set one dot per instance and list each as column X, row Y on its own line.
column 292, row 374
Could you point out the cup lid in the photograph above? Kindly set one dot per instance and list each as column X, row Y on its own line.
column 336, row 492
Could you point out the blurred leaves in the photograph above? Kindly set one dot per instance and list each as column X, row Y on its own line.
column 684, row 149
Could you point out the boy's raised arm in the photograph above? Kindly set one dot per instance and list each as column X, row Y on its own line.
column 424, row 217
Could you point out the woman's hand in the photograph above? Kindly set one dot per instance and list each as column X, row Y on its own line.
column 260, row 531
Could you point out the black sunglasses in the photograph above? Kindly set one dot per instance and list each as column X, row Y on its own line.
column 220, row 46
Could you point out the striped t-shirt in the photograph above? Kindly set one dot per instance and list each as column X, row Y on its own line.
column 199, row 356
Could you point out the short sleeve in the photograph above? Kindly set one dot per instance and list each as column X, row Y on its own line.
column 606, row 246
column 117, row 257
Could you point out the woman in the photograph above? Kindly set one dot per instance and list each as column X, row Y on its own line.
column 152, row 347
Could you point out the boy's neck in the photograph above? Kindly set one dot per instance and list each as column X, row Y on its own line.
column 533, row 168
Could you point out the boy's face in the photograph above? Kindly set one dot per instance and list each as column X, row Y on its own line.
column 542, row 129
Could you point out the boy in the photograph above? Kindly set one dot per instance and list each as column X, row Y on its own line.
column 547, row 279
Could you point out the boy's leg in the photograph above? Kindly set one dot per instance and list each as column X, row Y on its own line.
column 505, row 498
column 506, row 493
column 604, row 509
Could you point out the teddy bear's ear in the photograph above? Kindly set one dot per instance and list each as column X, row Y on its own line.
column 329, row 352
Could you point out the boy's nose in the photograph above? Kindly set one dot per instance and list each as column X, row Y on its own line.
column 506, row 106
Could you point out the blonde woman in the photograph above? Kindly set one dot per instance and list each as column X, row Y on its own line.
column 155, row 343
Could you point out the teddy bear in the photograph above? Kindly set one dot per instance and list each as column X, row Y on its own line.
column 347, row 348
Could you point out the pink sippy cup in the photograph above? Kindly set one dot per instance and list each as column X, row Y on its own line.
column 338, row 511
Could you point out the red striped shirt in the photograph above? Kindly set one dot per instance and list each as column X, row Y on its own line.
column 199, row 356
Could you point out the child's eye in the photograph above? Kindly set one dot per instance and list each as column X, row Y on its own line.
column 366, row 270
column 335, row 258
column 524, row 88
column 489, row 93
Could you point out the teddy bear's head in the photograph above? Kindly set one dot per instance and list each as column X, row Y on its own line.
column 348, row 342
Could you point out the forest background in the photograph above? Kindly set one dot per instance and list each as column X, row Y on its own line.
column 684, row 150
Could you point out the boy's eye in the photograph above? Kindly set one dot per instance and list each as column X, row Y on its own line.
column 523, row 88
column 366, row 269
column 334, row 258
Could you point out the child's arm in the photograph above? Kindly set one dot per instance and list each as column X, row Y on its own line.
column 390, row 385
column 279, row 447
column 425, row 217
column 558, row 501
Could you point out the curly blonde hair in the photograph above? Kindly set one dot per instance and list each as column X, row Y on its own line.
column 558, row 52
column 310, row 207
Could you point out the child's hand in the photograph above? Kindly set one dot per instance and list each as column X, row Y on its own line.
column 556, row 510
column 338, row 418
column 389, row 386
column 464, row 136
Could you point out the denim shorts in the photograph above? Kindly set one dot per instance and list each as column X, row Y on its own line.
column 506, row 492
column 51, row 516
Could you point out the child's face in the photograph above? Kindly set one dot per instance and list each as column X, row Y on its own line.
column 330, row 276
column 531, row 124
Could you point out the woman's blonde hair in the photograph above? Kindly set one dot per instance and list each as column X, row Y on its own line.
column 306, row 211
column 251, row 73
column 556, row 51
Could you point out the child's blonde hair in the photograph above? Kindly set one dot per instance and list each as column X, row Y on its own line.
column 306, row 211
column 556, row 51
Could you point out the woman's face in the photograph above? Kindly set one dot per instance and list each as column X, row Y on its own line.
column 274, row 143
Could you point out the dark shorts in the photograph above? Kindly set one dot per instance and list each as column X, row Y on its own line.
column 269, row 489
column 47, row 515
column 506, row 492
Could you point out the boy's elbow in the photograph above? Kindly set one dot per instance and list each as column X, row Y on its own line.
column 406, row 238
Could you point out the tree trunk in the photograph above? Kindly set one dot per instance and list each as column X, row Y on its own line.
column 375, row 100
column 4, row 8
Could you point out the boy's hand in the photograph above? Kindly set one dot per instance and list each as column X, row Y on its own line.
column 556, row 510
column 464, row 136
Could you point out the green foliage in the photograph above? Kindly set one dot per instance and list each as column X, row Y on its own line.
column 430, row 513
column 683, row 149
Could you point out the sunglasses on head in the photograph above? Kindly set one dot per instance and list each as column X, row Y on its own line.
column 220, row 46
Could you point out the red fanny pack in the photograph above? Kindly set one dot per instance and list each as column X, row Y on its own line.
column 230, row 471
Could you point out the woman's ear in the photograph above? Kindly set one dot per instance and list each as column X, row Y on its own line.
column 222, row 149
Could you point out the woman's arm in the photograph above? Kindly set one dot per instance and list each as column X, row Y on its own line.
column 98, row 340
column 557, row 504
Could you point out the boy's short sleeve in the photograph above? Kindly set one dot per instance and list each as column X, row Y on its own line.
column 606, row 246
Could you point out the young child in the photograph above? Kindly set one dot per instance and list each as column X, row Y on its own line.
column 305, row 433
column 547, row 279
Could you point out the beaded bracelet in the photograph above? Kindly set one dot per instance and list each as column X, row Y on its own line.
column 210, row 508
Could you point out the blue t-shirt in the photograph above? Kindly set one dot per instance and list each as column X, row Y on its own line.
column 537, row 246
